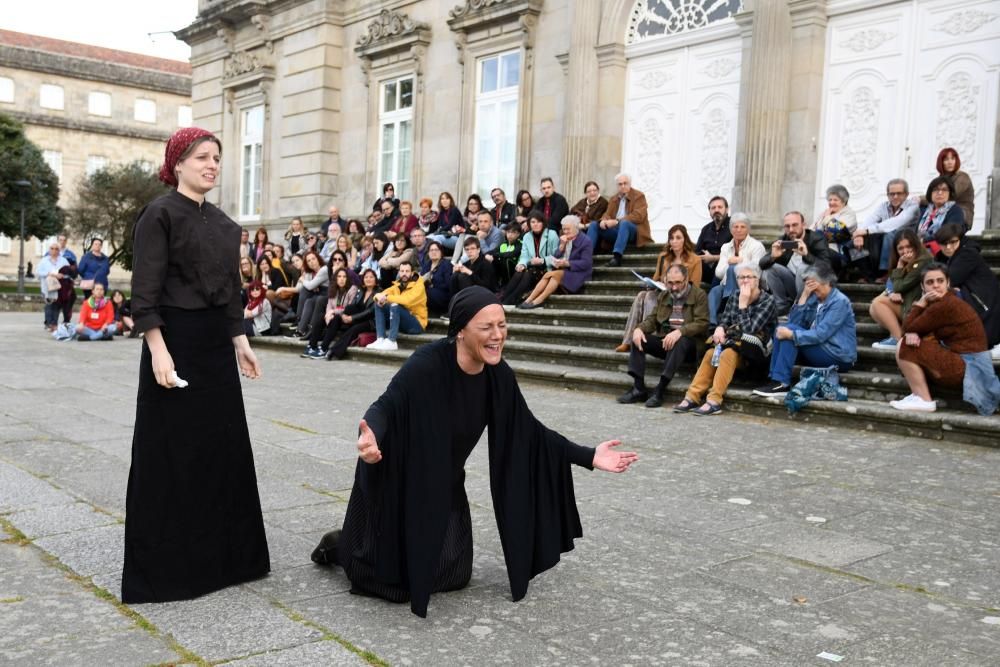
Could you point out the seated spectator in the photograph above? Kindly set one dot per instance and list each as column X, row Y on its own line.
column 740, row 249
column 370, row 258
column 337, row 261
column 525, row 205
column 124, row 324
column 48, row 278
column 334, row 225
column 259, row 244
column 552, row 204
column 508, row 254
column 313, row 282
column 246, row 275
column 490, row 237
column 538, row 249
column 938, row 331
column 837, row 224
column 475, row 271
column 401, row 308
column 592, row 207
column 346, row 246
column 437, row 279
column 388, row 196
column 340, row 294
column 941, row 210
column 312, row 244
column 950, row 166
column 876, row 235
column 572, row 265
column 356, row 232
column 891, row 307
column 625, row 221
column 379, row 222
column 972, row 279
column 400, row 252
column 473, row 206
column 820, row 332
column 503, row 212
column 93, row 268
column 671, row 332
column 678, row 250
column 273, row 280
column 246, row 248
column 428, row 219
column 291, row 268
column 418, row 241
column 358, row 317
column 796, row 250
column 295, row 237
column 740, row 342
column 451, row 223
column 97, row 317
column 714, row 235
column 257, row 312
column 405, row 223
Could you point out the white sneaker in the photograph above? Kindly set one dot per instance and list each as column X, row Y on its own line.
column 995, row 352
column 914, row 403
column 377, row 345
column 389, row 345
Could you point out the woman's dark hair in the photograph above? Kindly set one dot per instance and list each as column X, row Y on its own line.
column 256, row 236
column 312, row 253
column 934, row 266
column 329, row 263
column 472, row 241
column 405, row 239
column 359, row 227
column 473, row 198
column 938, row 181
column 387, row 186
column 334, row 290
column 114, row 293
column 688, row 245
column 450, row 199
column 536, row 215
column 945, row 152
column 910, row 237
column 263, row 260
column 374, row 275
column 948, row 232
column 380, row 236
column 588, row 184
column 520, row 196
column 435, row 244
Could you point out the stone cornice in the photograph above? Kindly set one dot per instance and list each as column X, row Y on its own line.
column 611, row 55
column 808, row 12
column 90, row 126
column 475, row 14
column 220, row 15
column 92, row 70
column 389, row 32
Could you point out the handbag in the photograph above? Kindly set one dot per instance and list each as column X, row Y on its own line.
column 87, row 284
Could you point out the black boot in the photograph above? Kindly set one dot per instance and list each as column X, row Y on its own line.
column 634, row 395
column 616, row 260
column 326, row 552
column 656, row 400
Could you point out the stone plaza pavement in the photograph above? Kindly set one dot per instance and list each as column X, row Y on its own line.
column 732, row 541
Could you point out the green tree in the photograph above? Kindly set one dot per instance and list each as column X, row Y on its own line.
column 108, row 203
column 20, row 160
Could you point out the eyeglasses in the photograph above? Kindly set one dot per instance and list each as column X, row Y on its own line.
column 942, row 188
column 746, row 277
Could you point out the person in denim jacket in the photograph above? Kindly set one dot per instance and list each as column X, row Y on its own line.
column 820, row 332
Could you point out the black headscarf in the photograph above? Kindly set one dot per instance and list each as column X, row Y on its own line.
column 465, row 305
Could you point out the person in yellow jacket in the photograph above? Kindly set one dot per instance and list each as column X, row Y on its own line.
column 403, row 305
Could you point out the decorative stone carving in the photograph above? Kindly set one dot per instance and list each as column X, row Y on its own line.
column 263, row 24
column 859, row 139
column 227, row 35
column 472, row 7
column 649, row 157
column 245, row 62
column 654, row 79
column 958, row 117
column 720, row 67
column 657, row 18
column 714, row 152
column 389, row 24
column 965, row 21
column 867, row 40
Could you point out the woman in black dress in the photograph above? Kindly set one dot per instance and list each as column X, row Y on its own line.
column 408, row 529
column 193, row 522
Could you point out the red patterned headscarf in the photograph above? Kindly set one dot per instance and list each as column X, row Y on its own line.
column 176, row 145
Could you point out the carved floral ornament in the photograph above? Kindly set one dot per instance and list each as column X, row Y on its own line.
column 867, row 40
column 389, row 24
column 965, row 21
column 472, row 7
column 657, row 18
column 245, row 62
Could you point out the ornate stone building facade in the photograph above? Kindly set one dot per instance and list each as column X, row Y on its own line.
column 87, row 107
column 765, row 101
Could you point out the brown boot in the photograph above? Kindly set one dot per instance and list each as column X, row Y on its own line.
column 624, row 347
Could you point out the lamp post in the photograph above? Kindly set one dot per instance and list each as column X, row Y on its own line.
column 20, row 260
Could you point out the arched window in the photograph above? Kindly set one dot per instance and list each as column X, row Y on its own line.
column 655, row 18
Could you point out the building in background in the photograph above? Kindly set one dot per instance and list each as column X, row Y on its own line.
column 765, row 101
column 87, row 107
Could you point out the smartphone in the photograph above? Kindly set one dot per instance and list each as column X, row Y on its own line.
column 789, row 245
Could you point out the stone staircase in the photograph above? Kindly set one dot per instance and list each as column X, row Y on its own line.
column 570, row 343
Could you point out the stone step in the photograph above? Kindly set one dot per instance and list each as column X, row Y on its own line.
column 862, row 413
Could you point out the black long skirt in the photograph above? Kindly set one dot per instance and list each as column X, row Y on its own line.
column 193, row 521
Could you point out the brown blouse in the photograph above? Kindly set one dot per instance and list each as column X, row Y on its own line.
column 951, row 321
column 590, row 212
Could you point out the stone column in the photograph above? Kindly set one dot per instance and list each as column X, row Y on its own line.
column 580, row 128
column 767, row 94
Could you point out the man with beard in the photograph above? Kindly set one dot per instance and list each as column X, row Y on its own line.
column 790, row 256
column 714, row 235
column 504, row 212
column 553, row 205
column 671, row 332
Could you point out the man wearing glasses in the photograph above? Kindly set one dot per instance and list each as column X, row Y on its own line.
column 625, row 221
column 790, row 256
column 877, row 232
column 671, row 332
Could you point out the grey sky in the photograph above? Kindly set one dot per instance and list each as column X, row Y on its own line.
column 116, row 24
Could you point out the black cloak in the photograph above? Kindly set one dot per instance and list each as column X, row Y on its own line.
column 408, row 494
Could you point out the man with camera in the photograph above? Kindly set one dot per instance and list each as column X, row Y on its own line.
column 796, row 250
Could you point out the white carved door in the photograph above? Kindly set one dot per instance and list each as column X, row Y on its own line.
column 681, row 115
column 902, row 81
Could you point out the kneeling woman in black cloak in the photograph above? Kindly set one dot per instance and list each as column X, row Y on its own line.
column 408, row 530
